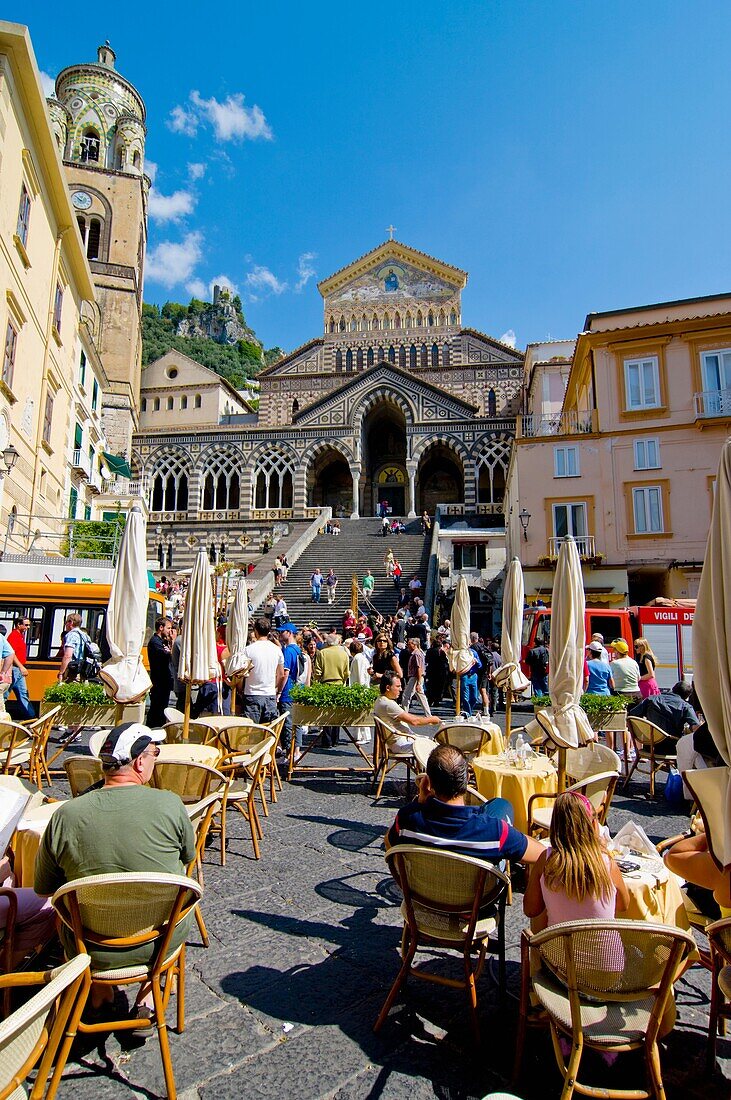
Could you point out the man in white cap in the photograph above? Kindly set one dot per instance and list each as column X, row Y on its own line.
column 122, row 825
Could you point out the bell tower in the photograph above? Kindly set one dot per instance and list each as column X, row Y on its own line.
column 98, row 119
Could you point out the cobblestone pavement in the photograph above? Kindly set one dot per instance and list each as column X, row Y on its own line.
column 303, row 950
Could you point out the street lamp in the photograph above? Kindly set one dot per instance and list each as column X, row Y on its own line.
column 10, row 457
column 524, row 517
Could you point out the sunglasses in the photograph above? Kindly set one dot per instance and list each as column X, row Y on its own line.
column 152, row 752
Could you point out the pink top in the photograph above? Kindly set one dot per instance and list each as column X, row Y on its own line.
column 560, row 907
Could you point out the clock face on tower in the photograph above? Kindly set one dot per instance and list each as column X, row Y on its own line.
column 81, row 200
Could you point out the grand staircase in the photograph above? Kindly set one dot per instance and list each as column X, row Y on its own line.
column 358, row 547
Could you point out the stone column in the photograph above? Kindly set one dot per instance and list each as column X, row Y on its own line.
column 411, row 494
column 355, row 474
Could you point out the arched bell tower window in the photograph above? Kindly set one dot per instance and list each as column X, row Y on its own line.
column 402, row 357
column 348, row 360
column 370, row 357
column 93, row 241
column 434, row 355
column 412, row 356
column 491, row 403
column 424, row 356
column 136, row 160
column 392, row 354
column 359, row 358
column 338, row 361
column 120, row 157
column 90, row 146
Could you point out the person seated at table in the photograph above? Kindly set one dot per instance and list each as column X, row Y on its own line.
column 387, row 708
column 576, row 878
column 123, row 826
column 690, row 858
column 35, row 918
column 440, row 818
column 671, row 711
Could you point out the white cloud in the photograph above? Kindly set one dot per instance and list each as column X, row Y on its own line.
column 197, row 288
column 48, row 84
column 305, row 270
column 196, row 171
column 508, row 338
column 150, row 170
column 170, row 208
column 230, row 118
column 261, row 280
column 182, row 121
column 172, row 262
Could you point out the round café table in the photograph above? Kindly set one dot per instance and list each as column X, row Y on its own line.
column 496, row 778
column 27, row 840
column 190, row 752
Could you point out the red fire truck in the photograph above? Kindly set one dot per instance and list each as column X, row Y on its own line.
column 667, row 625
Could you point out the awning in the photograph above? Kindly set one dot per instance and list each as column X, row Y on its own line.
column 117, row 464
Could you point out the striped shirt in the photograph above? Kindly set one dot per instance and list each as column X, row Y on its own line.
column 466, row 830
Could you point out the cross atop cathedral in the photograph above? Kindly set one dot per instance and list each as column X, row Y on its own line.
column 390, row 229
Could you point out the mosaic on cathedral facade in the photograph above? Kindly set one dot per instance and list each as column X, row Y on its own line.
column 396, row 401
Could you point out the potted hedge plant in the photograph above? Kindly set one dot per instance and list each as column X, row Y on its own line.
column 605, row 712
column 85, row 703
column 333, row 705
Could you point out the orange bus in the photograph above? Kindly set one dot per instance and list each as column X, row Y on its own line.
column 47, row 604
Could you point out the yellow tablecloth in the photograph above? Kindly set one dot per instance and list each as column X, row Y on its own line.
column 198, row 754
column 659, row 902
column 496, row 779
column 27, row 840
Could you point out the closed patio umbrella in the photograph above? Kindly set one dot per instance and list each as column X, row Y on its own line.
column 512, row 680
column 198, row 657
column 712, row 664
column 565, row 721
column 237, row 635
column 460, row 655
column 124, row 675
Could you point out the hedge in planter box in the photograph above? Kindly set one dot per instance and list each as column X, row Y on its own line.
column 598, row 708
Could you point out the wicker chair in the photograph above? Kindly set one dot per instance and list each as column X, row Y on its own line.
column 188, row 779
column 271, row 770
column 469, row 739
column 40, row 730
column 198, row 733
column 16, row 746
column 201, row 816
column 719, row 937
column 594, row 771
column 31, row 1035
column 125, row 911
column 82, row 772
column 605, row 984
column 389, row 755
column 244, row 771
column 653, row 747
column 450, row 901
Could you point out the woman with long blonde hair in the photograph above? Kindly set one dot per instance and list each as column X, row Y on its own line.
column 575, row 879
column 647, row 661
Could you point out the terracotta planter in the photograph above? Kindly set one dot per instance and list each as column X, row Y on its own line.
column 330, row 716
column 101, row 715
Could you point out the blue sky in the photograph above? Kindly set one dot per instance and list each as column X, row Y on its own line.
column 570, row 156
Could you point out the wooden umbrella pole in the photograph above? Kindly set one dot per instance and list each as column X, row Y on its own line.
column 118, row 713
column 186, row 717
column 456, row 712
column 508, row 708
column 561, row 770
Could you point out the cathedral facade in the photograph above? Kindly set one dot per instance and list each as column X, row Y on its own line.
column 395, row 401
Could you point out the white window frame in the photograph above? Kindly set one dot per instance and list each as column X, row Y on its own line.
column 642, row 513
column 639, row 364
column 641, row 448
column 720, row 354
column 566, row 461
column 570, row 526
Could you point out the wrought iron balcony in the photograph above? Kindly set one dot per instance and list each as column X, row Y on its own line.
column 585, row 544
column 712, row 403
column 537, row 425
column 80, row 463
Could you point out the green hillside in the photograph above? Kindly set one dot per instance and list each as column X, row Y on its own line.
column 234, row 361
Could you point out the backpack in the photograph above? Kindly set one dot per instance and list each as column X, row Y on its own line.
column 484, row 655
column 301, row 667
column 88, row 666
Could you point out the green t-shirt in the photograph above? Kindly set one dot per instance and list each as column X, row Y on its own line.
column 112, row 830
column 368, row 583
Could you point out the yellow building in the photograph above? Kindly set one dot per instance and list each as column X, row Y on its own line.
column 48, row 315
column 627, row 464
